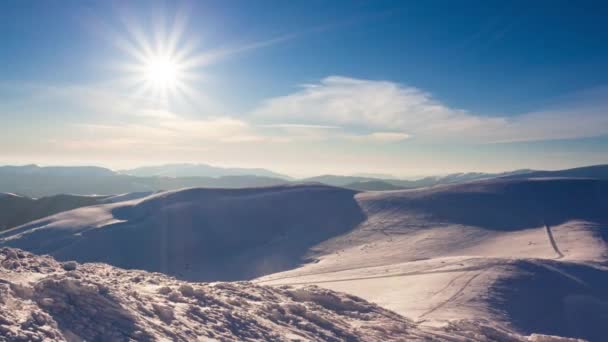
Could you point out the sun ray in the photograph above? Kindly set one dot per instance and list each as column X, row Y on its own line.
column 159, row 68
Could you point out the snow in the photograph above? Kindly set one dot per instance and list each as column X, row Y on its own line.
column 8, row 194
column 435, row 256
column 197, row 234
column 504, row 259
column 41, row 300
column 127, row 197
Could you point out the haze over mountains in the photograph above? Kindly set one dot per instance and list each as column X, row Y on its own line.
column 198, row 170
column 36, row 181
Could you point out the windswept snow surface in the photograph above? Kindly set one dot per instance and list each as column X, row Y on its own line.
column 522, row 257
column 44, row 300
column 528, row 255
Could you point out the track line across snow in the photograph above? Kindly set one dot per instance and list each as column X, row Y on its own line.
column 552, row 241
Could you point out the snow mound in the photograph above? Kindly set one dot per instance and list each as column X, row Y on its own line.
column 43, row 300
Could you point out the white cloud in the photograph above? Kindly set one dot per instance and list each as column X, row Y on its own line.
column 343, row 109
column 169, row 131
column 288, row 126
column 379, row 137
column 387, row 106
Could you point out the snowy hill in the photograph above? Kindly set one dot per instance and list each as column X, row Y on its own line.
column 16, row 210
column 202, row 234
column 43, row 300
column 501, row 249
column 505, row 250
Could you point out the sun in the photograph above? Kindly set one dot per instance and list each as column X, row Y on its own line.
column 162, row 65
column 162, row 72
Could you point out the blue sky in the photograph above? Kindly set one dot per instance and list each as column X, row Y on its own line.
column 307, row 87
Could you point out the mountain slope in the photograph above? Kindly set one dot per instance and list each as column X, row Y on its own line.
column 17, row 210
column 500, row 249
column 202, row 234
column 46, row 300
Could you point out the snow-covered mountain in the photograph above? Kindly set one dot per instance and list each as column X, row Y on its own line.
column 201, row 234
column 519, row 256
column 43, row 300
column 16, row 210
column 528, row 255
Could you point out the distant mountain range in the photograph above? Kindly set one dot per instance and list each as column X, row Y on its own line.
column 199, row 170
column 376, row 184
column 35, row 181
column 594, row 171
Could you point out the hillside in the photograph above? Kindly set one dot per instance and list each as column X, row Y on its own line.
column 16, row 210
column 505, row 250
column 501, row 249
column 200, row 234
column 46, row 300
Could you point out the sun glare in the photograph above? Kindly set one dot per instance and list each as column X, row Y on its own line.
column 164, row 64
column 162, row 72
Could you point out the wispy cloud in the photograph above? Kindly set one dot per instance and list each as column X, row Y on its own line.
column 292, row 125
column 216, row 55
column 387, row 106
column 97, row 118
column 379, row 137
